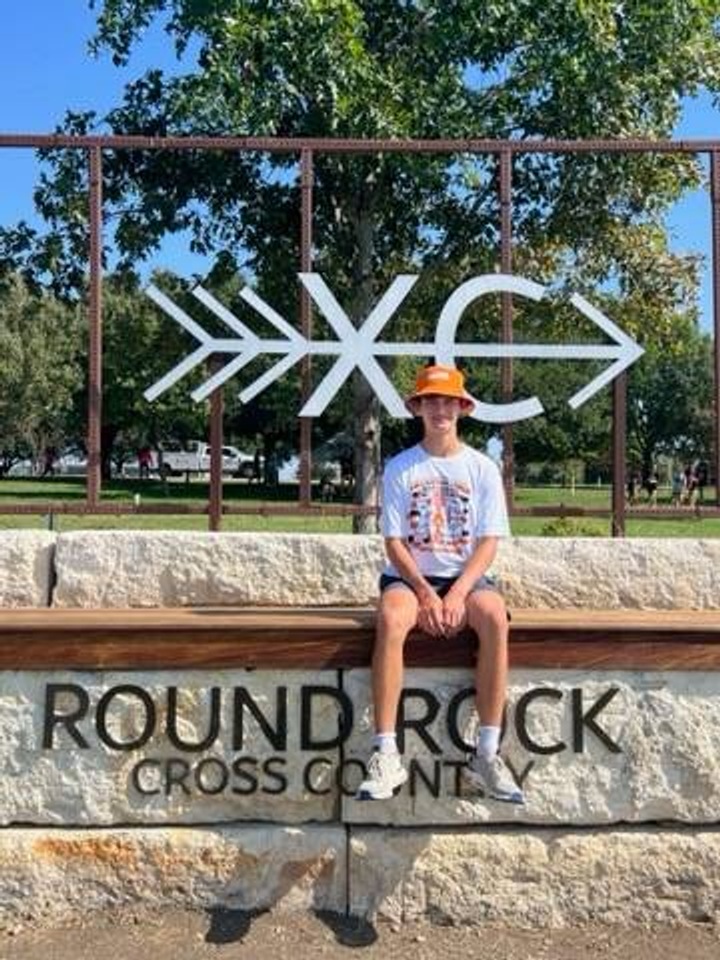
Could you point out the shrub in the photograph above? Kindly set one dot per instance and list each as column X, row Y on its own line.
column 567, row 527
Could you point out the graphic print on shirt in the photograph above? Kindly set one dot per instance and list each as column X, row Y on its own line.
column 439, row 516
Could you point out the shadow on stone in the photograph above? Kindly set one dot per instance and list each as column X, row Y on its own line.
column 348, row 930
column 229, row 926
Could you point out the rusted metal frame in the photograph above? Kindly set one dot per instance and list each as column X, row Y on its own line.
column 306, row 259
column 111, row 507
column 619, row 441
column 506, row 364
column 359, row 145
column 94, row 426
column 674, row 513
column 114, row 508
column 272, row 508
column 715, row 219
column 217, row 409
column 505, row 148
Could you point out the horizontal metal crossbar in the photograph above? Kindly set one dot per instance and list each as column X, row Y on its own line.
column 356, row 145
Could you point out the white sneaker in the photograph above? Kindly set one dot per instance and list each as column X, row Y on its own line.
column 385, row 776
column 493, row 777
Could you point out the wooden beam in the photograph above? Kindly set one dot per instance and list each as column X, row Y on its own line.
column 321, row 638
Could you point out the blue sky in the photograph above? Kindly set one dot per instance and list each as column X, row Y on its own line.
column 46, row 69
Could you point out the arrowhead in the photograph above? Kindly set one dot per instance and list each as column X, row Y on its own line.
column 629, row 351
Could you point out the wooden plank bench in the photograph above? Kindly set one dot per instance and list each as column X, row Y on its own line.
column 321, row 638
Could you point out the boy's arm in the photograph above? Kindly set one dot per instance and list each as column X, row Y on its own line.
column 430, row 612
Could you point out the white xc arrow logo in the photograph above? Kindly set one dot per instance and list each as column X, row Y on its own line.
column 360, row 347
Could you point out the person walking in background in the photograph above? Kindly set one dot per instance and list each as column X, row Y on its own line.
column 691, row 486
column 651, row 486
column 49, row 458
column 144, row 462
column 678, row 488
column 633, row 488
column 443, row 512
column 701, row 477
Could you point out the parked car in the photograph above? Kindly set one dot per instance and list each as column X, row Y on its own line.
column 22, row 468
column 71, row 463
column 322, row 470
column 175, row 458
column 67, row 463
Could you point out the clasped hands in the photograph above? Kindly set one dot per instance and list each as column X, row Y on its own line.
column 441, row 617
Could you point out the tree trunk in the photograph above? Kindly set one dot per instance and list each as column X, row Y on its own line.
column 366, row 408
column 367, row 453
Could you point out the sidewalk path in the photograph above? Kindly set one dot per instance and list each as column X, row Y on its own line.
column 184, row 935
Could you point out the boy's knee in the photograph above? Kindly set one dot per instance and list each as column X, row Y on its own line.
column 393, row 627
column 395, row 622
column 487, row 611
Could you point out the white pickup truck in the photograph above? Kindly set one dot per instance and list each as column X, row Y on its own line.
column 176, row 458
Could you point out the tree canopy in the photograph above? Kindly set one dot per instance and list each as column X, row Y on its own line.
column 40, row 371
column 391, row 68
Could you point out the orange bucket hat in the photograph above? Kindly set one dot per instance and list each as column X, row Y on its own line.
column 441, row 381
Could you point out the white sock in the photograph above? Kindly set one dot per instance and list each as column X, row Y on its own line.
column 487, row 741
column 386, row 742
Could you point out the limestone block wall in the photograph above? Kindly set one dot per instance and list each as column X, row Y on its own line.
column 51, row 874
column 551, row 878
column 130, row 569
column 157, row 569
column 26, row 568
column 118, row 787
column 186, row 747
column 137, row 799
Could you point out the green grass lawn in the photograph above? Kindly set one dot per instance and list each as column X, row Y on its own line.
column 580, row 497
column 180, row 493
column 600, row 527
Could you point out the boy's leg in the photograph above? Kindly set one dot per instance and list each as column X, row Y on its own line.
column 397, row 615
column 487, row 615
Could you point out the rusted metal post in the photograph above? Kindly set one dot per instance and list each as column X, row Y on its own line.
column 619, row 437
column 94, row 431
column 715, row 203
column 217, row 409
column 506, row 364
column 306, row 214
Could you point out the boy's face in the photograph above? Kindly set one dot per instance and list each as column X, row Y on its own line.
column 439, row 414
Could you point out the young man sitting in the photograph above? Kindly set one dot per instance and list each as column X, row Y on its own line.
column 443, row 512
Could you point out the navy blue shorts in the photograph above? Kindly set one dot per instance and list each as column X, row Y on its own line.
column 441, row 585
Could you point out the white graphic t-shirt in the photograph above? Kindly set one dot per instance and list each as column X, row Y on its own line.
column 441, row 506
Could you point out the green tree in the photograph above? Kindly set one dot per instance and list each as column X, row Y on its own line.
column 388, row 68
column 139, row 346
column 670, row 403
column 40, row 370
column 654, row 300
